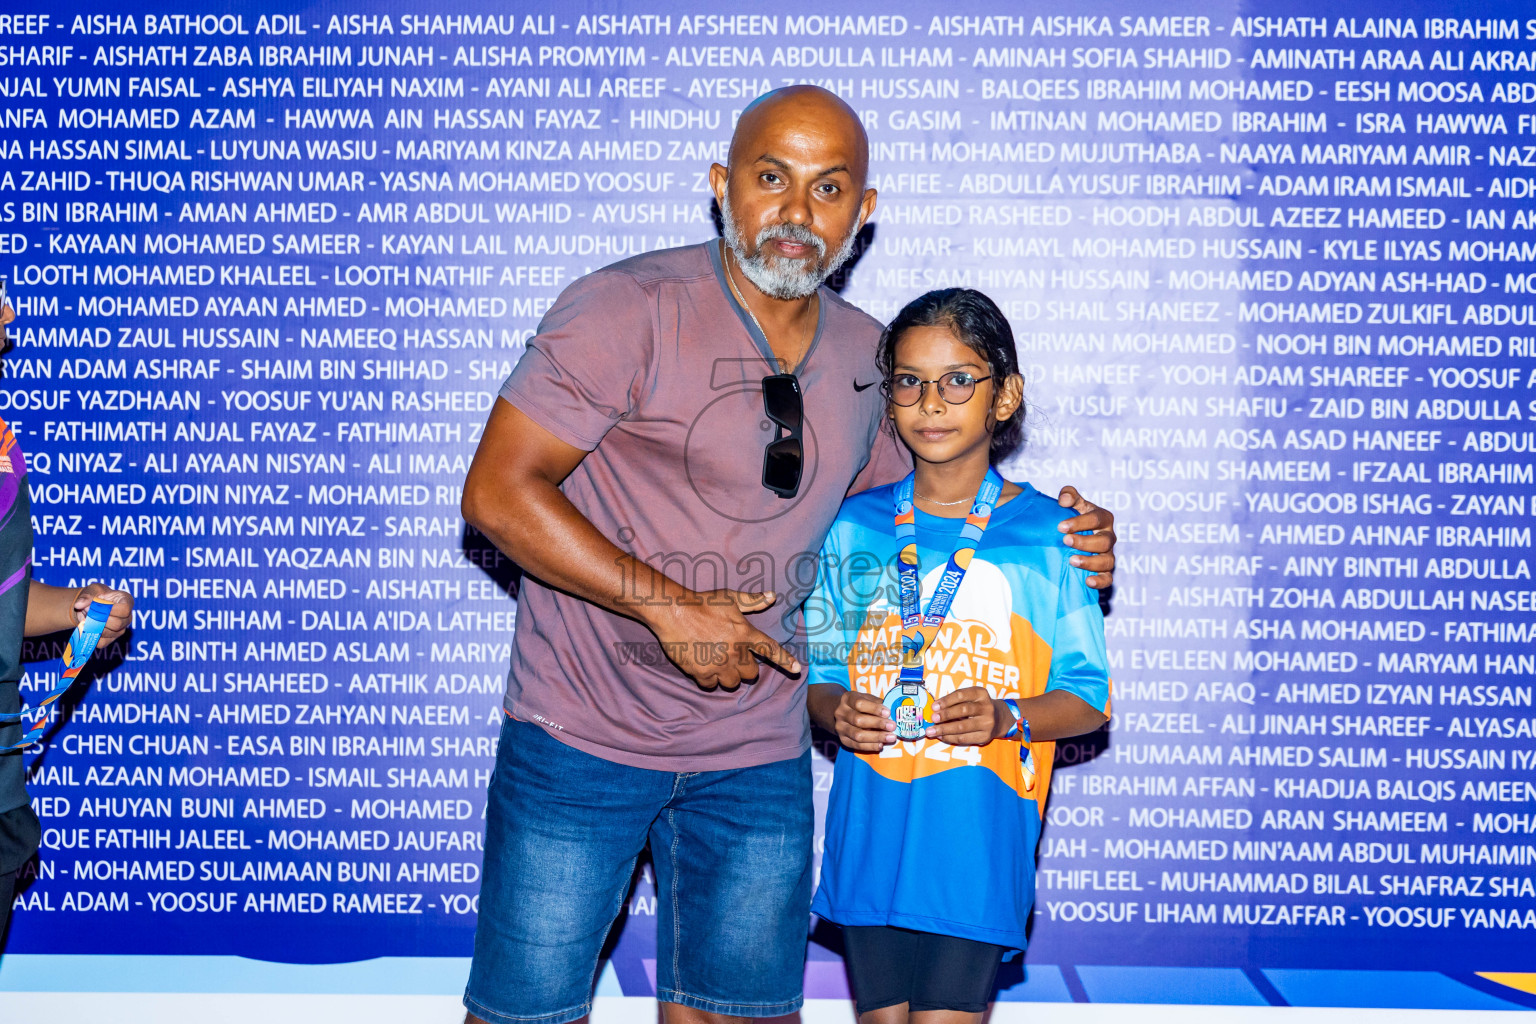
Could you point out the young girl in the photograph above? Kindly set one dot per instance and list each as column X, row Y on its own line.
column 951, row 642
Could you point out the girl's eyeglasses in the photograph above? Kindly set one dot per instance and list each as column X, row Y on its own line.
column 954, row 388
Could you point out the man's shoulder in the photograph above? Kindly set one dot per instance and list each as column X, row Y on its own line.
column 848, row 316
column 627, row 291
column 682, row 264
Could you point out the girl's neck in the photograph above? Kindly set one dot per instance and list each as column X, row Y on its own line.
column 950, row 485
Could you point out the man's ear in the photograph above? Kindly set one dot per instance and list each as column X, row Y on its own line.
column 719, row 175
column 867, row 207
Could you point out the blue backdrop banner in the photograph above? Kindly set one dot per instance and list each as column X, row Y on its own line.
column 1270, row 267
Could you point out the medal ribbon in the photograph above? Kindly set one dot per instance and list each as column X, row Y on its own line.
column 918, row 628
column 77, row 651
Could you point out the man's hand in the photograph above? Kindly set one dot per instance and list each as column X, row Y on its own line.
column 513, row 496
column 708, row 637
column 1099, row 558
column 53, row 609
column 862, row 723
column 969, row 716
column 122, row 609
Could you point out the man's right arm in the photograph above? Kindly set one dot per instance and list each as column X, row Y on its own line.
column 512, row 495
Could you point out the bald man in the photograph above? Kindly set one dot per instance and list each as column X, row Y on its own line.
column 664, row 464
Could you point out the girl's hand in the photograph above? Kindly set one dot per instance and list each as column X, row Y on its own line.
column 970, row 716
column 863, row 724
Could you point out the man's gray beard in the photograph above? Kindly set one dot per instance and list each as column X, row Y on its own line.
column 784, row 278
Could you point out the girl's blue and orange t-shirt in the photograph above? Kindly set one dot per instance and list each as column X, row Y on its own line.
column 926, row 835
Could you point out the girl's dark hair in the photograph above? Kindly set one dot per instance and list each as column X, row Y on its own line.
column 981, row 327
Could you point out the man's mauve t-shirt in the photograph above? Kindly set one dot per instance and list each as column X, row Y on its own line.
column 652, row 367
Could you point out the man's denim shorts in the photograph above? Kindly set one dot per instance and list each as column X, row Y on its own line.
column 732, row 851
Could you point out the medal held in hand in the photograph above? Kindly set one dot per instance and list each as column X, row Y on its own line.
column 911, row 708
column 908, row 699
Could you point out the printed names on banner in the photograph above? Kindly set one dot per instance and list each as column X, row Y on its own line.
column 1271, row 281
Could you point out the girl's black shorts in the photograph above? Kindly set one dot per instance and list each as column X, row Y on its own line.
column 889, row 966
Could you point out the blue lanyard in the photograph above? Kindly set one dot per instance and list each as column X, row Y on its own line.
column 909, row 699
column 78, row 651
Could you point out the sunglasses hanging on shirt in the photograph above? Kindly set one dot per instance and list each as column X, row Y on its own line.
column 784, row 457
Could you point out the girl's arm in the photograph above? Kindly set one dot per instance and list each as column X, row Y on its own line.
column 1057, row 715
column 821, row 700
column 973, row 716
column 861, row 722
column 1076, row 697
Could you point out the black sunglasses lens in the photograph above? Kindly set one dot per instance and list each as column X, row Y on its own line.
column 781, row 400
column 782, row 461
column 784, row 456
